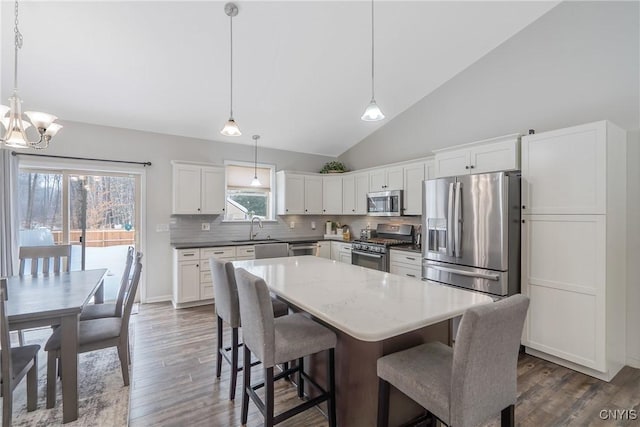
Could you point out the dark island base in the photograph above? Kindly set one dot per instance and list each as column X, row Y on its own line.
column 357, row 379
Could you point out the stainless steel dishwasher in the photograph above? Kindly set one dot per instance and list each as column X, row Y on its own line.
column 297, row 249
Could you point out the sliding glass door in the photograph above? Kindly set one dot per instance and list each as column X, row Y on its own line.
column 97, row 213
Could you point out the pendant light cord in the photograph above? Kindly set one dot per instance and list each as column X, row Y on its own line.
column 255, row 158
column 231, row 65
column 18, row 45
column 372, row 54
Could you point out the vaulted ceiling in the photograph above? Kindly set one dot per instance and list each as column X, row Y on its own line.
column 301, row 68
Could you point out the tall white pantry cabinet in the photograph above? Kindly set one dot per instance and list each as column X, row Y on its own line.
column 574, row 246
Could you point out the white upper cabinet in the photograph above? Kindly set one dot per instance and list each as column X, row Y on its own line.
column 414, row 175
column 491, row 155
column 565, row 171
column 332, row 189
column 298, row 194
column 386, row 179
column 354, row 194
column 290, row 193
column 313, row 195
column 197, row 189
column 212, row 197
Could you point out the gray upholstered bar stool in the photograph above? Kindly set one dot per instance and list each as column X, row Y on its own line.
column 275, row 341
column 228, row 310
column 469, row 384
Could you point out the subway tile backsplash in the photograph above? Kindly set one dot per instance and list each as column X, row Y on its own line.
column 188, row 228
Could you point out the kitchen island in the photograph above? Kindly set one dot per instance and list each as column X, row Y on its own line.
column 373, row 313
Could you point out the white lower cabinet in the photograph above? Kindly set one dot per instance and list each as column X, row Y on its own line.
column 341, row 251
column 192, row 283
column 324, row 249
column 405, row 263
column 575, row 317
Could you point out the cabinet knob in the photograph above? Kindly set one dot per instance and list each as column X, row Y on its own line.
column 198, row 209
column 353, row 210
column 523, row 221
column 466, row 167
column 524, row 207
column 324, row 210
column 197, row 265
column 222, row 209
column 287, row 210
column 471, row 167
column 306, row 210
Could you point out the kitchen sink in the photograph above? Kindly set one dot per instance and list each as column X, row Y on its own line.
column 255, row 241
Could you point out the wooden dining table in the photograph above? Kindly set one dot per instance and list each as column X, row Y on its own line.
column 56, row 299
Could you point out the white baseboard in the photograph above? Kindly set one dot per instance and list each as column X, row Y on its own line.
column 611, row 372
column 634, row 362
column 161, row 298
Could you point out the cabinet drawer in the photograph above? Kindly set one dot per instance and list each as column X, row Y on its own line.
column 405, row 270
column 205, row 276
column 221, row 252
column 245, row 252
column 410, row 258
column 206, row 291
column 188, row 254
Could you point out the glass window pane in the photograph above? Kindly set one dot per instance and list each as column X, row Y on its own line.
column 244, row 201
column 40, row 208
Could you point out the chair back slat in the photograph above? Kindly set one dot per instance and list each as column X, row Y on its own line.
column 44, row 254
column 131, row 295
column 256, row 312
column 124, row 281
column 486, row 352
column 5, row 343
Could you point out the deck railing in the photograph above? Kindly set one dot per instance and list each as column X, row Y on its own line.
column 99, row 238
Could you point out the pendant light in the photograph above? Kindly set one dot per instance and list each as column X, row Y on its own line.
column 230, row 127
column 372, row 113
column 255, row 182
column 14, row 134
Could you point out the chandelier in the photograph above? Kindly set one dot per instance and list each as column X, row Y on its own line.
column 14, row 125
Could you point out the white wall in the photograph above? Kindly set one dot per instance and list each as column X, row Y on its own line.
column 633, row 249
column 576, row 64
column 85, row 140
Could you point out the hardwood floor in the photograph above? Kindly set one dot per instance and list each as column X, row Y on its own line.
column 174, row 383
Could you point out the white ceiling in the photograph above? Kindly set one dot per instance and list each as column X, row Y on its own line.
column 301, row 68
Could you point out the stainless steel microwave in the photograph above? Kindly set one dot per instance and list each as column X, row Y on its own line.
column 384, row 203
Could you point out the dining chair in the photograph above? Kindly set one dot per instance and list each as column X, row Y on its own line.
column 45, row 260
column 466, row 385
column 99, row 311
column 228, row 311
column 97, row 334
column 271, row 250
column 15, row 363
column 42, row 257
column 277, row 340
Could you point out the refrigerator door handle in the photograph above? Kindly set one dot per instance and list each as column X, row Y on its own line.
column 450, row 222
column 494, row 277
column 457, row 219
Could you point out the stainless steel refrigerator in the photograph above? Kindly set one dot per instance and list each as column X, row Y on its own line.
column 471, row 232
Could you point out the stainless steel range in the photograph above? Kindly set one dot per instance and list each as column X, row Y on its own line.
column 374, row 252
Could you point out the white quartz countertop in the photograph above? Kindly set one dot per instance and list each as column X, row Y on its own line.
column 366, row 304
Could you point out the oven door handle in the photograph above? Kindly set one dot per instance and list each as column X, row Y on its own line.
column 367, row 254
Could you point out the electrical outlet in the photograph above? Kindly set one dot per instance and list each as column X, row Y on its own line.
column 313, row 225
column 292, row 224
column 206, row 226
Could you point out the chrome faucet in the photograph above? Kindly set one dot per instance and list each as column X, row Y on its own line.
column 251, row 234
